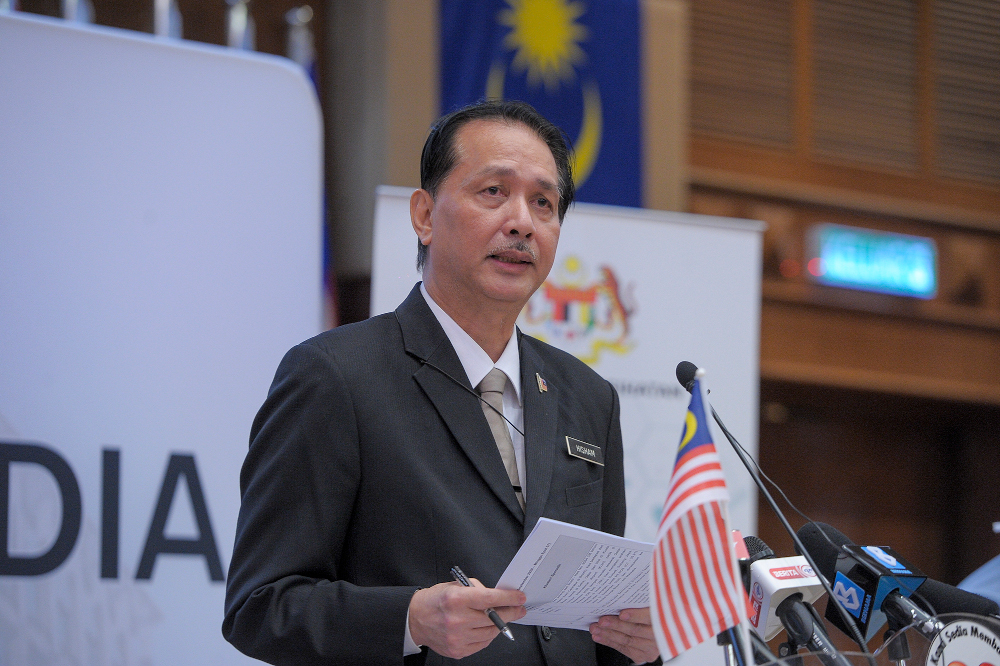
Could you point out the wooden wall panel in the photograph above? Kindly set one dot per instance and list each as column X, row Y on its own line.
column 834, row 347
column 760, row 171
column 911, row 473
column 896, row 105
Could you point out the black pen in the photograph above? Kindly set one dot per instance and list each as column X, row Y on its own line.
column 461, row 578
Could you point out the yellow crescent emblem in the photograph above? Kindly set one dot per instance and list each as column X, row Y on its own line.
column 690, row 426
column 587, row 146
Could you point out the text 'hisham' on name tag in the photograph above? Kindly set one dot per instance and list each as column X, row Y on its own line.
column 580, row 449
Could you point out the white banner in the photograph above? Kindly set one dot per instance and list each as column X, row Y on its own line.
column 160, row 248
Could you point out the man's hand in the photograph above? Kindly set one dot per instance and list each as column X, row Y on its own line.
column 630, row 632
column 451, row 620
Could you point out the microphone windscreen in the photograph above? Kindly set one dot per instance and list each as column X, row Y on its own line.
column 757, row 549
column 685, row 374
column 936, row 597
column 823, row 552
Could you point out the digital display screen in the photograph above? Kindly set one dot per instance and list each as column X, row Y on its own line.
column 871, row 260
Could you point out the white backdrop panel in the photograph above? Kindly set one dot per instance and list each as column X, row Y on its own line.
column 160, row 249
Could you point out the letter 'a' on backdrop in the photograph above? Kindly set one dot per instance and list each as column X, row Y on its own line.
column 160, row 250
column 633, row 292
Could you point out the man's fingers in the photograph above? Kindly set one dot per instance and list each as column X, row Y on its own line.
column 476, row 600
column 630, row 632
column 639, row 650
column 509, row 604
column 630, row 627
column 510, row 613
column 489, row 597
column 636, row 615
column 450, row 619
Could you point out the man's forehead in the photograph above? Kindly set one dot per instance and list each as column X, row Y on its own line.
column 474, row 127
column 479, row 125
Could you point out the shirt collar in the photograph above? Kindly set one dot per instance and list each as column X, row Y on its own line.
column 476, row 362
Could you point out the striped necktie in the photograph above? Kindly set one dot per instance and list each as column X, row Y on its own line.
column 491, row 390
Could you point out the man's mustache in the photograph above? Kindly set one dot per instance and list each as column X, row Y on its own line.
column 517, row 246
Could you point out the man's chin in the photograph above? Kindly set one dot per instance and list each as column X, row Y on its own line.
column 514, row 292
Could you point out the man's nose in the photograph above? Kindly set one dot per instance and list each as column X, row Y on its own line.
column 520, row 221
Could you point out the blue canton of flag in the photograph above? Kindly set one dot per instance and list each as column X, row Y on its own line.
column 576, row 62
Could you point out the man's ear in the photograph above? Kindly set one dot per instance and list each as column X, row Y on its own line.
column 421, row 206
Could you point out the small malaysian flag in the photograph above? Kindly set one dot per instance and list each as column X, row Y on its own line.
column 695, row 592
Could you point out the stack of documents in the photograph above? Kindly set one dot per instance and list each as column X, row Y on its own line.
column 573, row 575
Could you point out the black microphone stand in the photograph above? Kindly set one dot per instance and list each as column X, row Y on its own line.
column 899, row 647
column 805, row 629
column 734, row 654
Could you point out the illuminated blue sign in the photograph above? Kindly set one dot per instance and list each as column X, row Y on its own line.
column 873, row 260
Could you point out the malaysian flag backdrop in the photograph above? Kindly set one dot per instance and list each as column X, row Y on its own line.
column 695, row 592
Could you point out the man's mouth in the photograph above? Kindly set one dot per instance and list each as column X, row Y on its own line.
column 519, row 254
column 507, row 259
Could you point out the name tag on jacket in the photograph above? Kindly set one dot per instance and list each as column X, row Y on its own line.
column 581, row 449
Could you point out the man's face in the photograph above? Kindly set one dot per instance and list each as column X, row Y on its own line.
column 494, row 224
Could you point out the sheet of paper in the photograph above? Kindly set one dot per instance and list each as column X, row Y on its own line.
column 573, row 575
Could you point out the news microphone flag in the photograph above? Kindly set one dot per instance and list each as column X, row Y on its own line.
column 695, row 591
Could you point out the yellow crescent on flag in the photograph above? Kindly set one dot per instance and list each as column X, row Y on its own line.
column 690, row 427
column 587, row 145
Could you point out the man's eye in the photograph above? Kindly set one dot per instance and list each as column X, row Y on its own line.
column 543, row 202
column 493, row 190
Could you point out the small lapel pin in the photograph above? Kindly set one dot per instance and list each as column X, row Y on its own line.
column 542, row 386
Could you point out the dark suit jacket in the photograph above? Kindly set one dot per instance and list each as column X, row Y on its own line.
column 370, row 473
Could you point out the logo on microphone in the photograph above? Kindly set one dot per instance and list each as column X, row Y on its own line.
column 848, row 594
column 789, row 573
column 757, row 592
column 890, row 562
column 582, row 316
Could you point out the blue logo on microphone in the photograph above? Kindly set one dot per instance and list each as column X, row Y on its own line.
column 848, row 594
column 887, row 560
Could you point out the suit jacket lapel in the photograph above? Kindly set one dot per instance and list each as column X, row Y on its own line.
column 459, row 407
column 541, row 417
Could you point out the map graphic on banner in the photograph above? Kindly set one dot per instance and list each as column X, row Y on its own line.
column 576, row 62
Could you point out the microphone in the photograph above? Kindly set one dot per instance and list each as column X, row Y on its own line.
column 686, row 373
column 872, row 583
column 936, row 597
column 756, row 550
column 774, row 579
column 782, row 590
column 761, row 652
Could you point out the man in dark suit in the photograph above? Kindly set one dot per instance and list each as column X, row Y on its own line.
column 380, row 459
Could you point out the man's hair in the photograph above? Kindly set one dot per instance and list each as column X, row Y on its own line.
column 438, row 157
